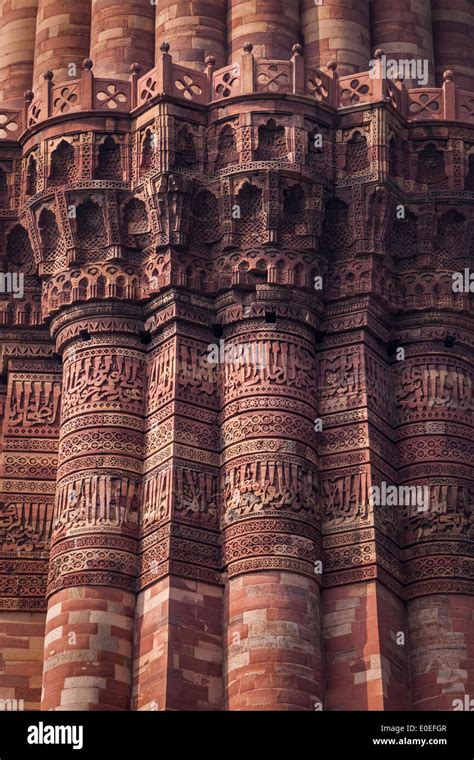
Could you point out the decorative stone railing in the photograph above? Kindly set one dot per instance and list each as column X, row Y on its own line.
column 11, row 124
column 249, row 76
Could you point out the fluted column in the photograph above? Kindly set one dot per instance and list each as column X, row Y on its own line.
column 194, row 29
column 453, row 39
column 62, row 39
column 91, row 604
column 336, row 30
column 178, row 626
column 403, row 30
column 269, row 517
column 272, row 27
column 122, row 33
column 17, row 44
column 433, row 394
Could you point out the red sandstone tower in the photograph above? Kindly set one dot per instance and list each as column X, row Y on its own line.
column 180, row 532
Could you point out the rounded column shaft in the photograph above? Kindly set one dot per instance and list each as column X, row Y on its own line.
column 453, row 39
column 337, row 30
column 194, row 29
column 122, row 33
column 403, row 31
column 441, row 651
column 432, row 394
column 62, row 39
column 89, row 637
column 17, row 44
column 271, row 538
column 272, row 28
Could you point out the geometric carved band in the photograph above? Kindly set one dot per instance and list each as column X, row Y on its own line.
column 271, row 542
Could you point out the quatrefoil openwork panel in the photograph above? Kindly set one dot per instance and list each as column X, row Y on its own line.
column 148, row 89
column 34, row 113
column 65, row 99
column 355, row 91
column 8, row 126
column 187, row 87
column 226, row 83
column 317, row 87
column 424, row 103
column 111, row 95
column 273, row 78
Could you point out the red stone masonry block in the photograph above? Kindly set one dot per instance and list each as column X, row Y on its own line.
column 453, row 40
column 17, row 45
column 84, row 681
column 270, row 646
column 122, row 33
column 62, row 38
column 21, row 661
column 440, row 647
column 194, row 29
column 272, row 28
column 336, row 30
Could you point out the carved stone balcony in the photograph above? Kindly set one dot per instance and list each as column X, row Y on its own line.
column 251, row 76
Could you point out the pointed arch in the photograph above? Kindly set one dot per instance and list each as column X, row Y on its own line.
column 430, row 167
column 357, row 154
column 185, row 149
column 63, row 168
column 271, row 141
column 109, row 162
column 227, row 153
column 49, row 234
column 91, row 234
column 3, row 188
column 31, row 176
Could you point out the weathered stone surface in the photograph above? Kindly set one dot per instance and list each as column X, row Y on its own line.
column 236, row 321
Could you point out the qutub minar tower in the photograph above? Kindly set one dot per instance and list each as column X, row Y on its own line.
column 178, row 533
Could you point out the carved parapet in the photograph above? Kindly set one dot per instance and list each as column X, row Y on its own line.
column 249, row 76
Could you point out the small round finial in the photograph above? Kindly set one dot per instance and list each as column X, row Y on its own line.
column 48, row 75
column 210, row 60
column 87, row 64
column 165, row 47
column 379, row 53
column 29, row 95
column 448, row 75
column 135, row 68
column 297, row 49
column 331, row 65
column 248, row 47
